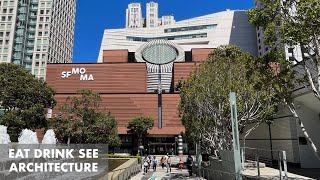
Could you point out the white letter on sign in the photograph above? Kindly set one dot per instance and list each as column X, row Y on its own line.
column 82, row 70
column 75, row 70
column 83, row 77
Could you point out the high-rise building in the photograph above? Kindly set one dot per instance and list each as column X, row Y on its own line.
column 134, row 16
column 166, row 20
column 34, row 32
column 152, row 14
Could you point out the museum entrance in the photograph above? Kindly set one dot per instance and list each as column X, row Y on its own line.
column 161, row 145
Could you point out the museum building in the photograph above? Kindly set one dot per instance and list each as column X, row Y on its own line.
column 138, row 69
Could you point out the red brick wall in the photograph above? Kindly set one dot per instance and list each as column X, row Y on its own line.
column 108, row 78
column 127, row 106
column 115, row 56
column 200, row 54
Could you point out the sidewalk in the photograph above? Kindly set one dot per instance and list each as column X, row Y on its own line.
column 161, row 174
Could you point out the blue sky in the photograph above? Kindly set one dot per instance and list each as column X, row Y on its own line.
column 93, row 16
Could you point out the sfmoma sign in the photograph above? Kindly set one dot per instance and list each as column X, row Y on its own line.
column 77, row 71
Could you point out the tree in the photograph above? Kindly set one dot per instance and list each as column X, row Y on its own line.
column 81, row 121
column 139, row 126
column 293, row 23
column 204, row 105
column 24, row 98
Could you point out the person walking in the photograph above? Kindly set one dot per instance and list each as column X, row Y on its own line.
column 189, row 164
column 180, row 164
column 163, row 161
column 169, row 164
column 146, row 163
column 154, row 163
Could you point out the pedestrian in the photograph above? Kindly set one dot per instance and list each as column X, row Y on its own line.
column 154, row 163
column 189, row 164
column 180, row 165
column 169, row 164
column 163, row 161
column 145, row 164
column 150, row 159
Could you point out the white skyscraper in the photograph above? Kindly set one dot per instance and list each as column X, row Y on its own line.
column 134, row 16
column 167, row 20
column 35, row 32
column 152, row 14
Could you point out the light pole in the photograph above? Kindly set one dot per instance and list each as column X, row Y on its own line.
column 159, row 99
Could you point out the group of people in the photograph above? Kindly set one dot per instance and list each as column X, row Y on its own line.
column 149, row 161
column 165, row 161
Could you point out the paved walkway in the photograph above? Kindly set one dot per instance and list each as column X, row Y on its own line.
column 161, row 174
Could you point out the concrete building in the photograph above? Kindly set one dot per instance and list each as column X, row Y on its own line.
column 209, row 31
column 34, row 32
column 152, row 15
column 134, row 16
column 285, row 133
column 167, row 20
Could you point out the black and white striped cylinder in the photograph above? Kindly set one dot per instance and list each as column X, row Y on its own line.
column 180, row 145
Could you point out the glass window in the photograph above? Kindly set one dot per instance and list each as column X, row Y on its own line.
column 43, row 64
column 45, row 41
column 43, row 4
column 7, row 34
column 3, row 18
column 5, row 50
column 10, row 10
column 190, row 28
column 37, row 56
column 2, row 26
column 36, row 72
column 1, row 34
column 37, row 64
column 4, row 10
column 42, row 72
column 5, row 58
column 9, row 18
column 8, row 26
column 11, row 3
column 5, row 3
column 38, row 48
column 38, row 41
column 7, row 42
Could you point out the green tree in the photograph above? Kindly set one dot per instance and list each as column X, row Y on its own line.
column 293, row 23
column 82, row 121
column 204, row 105
column 24, row 98
column 139, row 126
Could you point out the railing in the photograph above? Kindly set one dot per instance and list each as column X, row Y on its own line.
column 125, row 173
column 262, row 155
column 212, row 174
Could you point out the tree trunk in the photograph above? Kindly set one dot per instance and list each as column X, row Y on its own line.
column 304, row 131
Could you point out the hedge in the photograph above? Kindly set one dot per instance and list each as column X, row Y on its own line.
column 120, row 156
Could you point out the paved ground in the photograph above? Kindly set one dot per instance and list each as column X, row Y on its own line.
column 161, row 174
